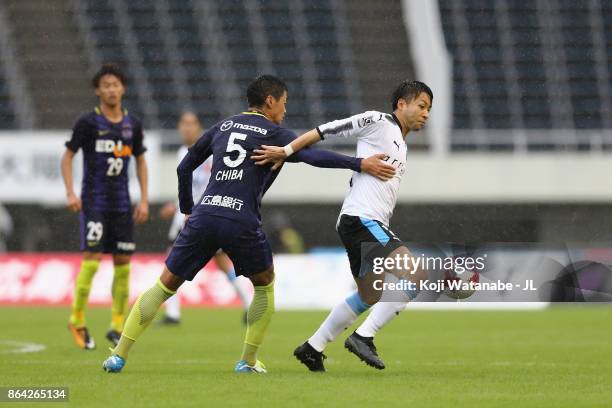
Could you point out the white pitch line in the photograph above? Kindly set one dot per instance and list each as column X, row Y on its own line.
column 18, row 347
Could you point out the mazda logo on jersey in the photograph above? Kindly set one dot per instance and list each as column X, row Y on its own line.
column 227, row 125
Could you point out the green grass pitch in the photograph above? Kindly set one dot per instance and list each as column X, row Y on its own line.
column 561, row 357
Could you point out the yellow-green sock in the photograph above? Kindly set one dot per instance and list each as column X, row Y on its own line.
column 82, row 288
column 142, row 314
column 258, row 318
column 120, row 292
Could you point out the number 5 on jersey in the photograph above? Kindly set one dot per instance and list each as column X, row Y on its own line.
column 235, row 147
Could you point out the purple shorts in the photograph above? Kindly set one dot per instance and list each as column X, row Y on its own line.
column 204, row 235
column 108, row 232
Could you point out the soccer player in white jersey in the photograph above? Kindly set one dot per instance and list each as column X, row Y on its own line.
column 363, row 224
column 190, row 129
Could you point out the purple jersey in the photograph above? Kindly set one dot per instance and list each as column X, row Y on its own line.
column 107, row 148
column 237, row 184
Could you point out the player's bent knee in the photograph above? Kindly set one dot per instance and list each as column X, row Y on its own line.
column 92, row 256
column 170, row 280
column 121, row 259
column 371, row 299
column 263, row 278
column 370, row 296
column 419, row 275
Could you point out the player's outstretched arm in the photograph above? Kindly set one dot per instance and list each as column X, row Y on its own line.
column 195, row 156
column 141, row 213
column 349, row 127
column 373, row 165
column 276, row 155
column 72, row 201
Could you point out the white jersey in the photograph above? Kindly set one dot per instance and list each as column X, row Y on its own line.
column 201, row 175
column 376, row 132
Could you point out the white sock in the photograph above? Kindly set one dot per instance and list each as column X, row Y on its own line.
column 173, row 307
column 381, row 314
column 338, row 320
column 242, row 293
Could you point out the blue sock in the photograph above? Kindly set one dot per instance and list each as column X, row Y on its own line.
column 411, row 294
column 231, row 275
column 357, row 304
column 343, row 315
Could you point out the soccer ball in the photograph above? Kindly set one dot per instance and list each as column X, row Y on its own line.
column 459, row 285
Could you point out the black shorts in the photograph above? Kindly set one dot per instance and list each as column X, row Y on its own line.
column 364, row 240
column 108, row 232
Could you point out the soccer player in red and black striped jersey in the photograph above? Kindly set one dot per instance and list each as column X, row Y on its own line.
column 109, row 136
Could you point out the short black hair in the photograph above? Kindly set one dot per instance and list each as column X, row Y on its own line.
column 262, row 86
column 108, row 68
column 408, row 90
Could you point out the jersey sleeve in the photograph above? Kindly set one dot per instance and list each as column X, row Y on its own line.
column 79, row 134
column 317, row 157
column 196, row 155
column 325, row 159
column 354, row 126
column 138, row 146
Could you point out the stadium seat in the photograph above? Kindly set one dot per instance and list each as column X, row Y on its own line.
column 192, row 52
column 483, row 74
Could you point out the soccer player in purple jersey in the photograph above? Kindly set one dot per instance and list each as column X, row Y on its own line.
column 227, row 215
column 108, row 136
column 190, row 129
